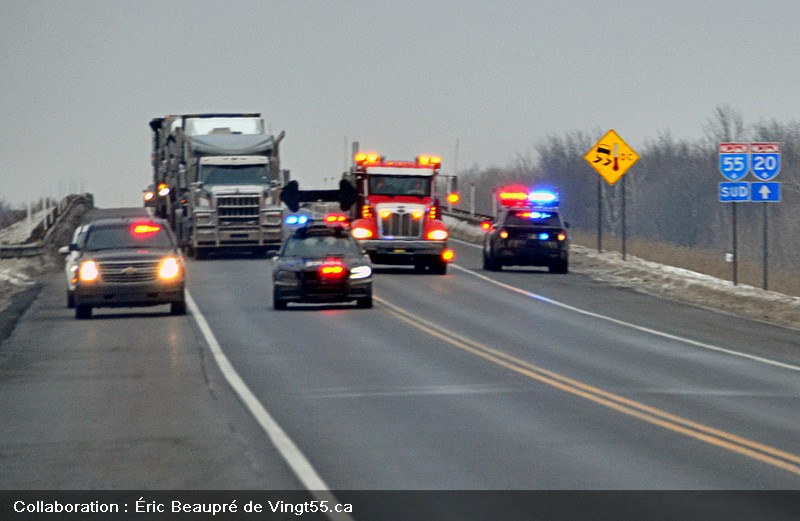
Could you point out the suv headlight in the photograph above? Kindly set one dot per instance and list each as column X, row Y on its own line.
column 169, row 268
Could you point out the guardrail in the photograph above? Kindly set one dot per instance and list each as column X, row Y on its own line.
column 49, row 219
column 11, row 251
column 464, row 215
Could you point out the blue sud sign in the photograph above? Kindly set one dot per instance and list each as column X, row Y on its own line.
column 734, row 160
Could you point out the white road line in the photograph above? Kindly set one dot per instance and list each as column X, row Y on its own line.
column 294, row 457
column 655, row 332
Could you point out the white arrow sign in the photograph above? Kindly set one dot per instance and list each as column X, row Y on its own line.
column 764, row 192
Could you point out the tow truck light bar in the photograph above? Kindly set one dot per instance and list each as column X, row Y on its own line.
column 375, row 159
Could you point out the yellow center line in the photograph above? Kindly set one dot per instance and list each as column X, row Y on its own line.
column 752, row 449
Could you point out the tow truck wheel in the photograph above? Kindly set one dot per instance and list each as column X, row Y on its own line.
column 438, row 267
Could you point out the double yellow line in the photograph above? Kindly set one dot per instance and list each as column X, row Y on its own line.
column 751, row 449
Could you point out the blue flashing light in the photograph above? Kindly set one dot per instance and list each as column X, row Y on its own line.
column 296, row 219
column 544, row 236
column 543, row 197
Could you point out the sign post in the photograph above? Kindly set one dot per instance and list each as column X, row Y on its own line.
column 611, row 158
column 765, row 164
column 734, row 162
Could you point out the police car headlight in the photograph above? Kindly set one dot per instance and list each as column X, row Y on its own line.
column 285, row 277
column 360, row 272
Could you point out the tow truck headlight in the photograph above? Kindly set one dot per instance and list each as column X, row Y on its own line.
column 89, row 271
column 169, row 269
column 360, row 272
column 362, row 233
column 437, row 235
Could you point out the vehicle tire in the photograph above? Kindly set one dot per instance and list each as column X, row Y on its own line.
column 278, row 303
column 364, row 302
column 489, row 263
column 70, row 300
column 83, row 311
column 559, row 266
column 177, row 308
column 438, row 267
column 200, row 253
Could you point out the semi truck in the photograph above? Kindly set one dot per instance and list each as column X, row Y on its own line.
column 217, row 180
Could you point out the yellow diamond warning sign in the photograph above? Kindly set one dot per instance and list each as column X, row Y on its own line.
column 611, row 157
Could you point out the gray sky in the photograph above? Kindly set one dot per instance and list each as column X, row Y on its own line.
column 80, row 80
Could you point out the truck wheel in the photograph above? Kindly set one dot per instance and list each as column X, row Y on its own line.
column 364, row 302
column 278, row 303
column 83, row 312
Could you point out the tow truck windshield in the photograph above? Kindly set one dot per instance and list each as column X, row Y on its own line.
column 397, row 185
column 234, row 175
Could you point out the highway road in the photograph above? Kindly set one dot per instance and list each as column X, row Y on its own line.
column 517, row 380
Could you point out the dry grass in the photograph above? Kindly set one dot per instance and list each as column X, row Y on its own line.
column 709, row 262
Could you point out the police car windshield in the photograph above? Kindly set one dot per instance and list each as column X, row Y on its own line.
column 123, row 236
column 533, row 218
column 324, row 246
column 399, row 185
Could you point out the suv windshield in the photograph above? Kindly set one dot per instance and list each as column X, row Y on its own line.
column 314, row 247
column 127, row 236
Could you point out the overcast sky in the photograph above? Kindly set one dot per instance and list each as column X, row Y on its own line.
column 80, row 80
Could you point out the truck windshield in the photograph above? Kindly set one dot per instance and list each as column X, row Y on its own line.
column 399, row 185
column 234, row 175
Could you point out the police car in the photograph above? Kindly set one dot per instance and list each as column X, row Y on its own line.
column 528, row 231
column 321, row 263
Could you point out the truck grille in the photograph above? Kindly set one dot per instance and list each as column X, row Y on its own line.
column 234, row 210
column 400, row 225
column 129, row 271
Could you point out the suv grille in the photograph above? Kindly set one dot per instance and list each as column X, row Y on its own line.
column 400, row 225
column 129, row 271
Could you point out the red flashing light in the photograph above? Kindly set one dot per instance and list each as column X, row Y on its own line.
column 145, row 228
column 336, row 218
column 332, row 268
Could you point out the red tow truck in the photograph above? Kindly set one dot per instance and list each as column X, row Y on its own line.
column 397, row 217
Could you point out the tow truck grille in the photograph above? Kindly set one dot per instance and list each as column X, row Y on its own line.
column 401, row 225
column 236, row 210
column 128, row 271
